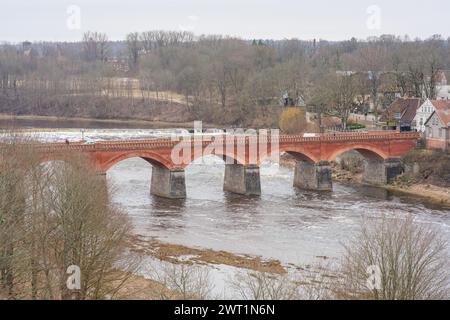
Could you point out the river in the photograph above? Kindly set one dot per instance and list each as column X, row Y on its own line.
column 291, row 225
column 284, row 223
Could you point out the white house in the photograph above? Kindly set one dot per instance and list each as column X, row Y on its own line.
column 443, row 92
column 423, row 113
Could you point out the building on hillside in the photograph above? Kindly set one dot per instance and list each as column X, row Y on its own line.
column 387, row 93
column 443, row 92
column 287, row 101
column 345, row 73
column 437, row 133
column 423, row 113
column 29, row 55
column 119, row 64
column 400, row 114
column 441, row 79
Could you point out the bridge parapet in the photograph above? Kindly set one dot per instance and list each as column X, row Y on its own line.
column 350, row 137
column 168, row 143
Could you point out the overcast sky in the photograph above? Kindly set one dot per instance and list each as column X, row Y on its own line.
column 276, row 19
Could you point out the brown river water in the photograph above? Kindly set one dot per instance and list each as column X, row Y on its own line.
column 284, row 223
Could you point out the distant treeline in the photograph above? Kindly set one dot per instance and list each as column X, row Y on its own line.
column 216, row 79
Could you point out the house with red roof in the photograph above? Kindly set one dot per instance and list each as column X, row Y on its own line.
column 424, row 113
column 437, row 132
column 400, row 114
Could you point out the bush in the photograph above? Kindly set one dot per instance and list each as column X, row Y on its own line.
column 307, row 285
column 352, row 161
column 355, row 126
column 434, row 166
column 293, row 120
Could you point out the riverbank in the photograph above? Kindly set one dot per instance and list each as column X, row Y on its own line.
column 434, row 194
column 178, row 261
column 138, row 287
column 430, row 193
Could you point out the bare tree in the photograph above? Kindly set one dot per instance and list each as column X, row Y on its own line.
column 341, row 95
column 53, row 216
column 407, row 260
column 184, row 282
column 310, row 284
column 12, row 211
column 373, row 63
column 265, row 286
column 95, row 46
column 134, row 46
column 90, row 233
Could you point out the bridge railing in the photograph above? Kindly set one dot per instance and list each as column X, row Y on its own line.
column 168, row 143
column 327, row 137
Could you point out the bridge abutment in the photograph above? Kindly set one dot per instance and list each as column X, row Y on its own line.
column 313, row 176
column 381, row 171
column 242, row 179
column 168, row 183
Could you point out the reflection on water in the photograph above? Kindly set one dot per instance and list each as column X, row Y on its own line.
column 285, row 223
column 167, row 205
column 373, row 192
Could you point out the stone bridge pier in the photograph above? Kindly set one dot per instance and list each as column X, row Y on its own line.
column 245, row 179
column 379, row 171
column 313, row 176
column 239, row 179
column 242, row 179
column 318, row 177
column 168, row 183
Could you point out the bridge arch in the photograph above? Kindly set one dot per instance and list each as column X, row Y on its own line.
column 227, row 158
column 151, row 157
column 368, row 151
column 300, row 154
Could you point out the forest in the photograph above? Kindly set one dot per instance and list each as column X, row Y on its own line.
column 178, row 76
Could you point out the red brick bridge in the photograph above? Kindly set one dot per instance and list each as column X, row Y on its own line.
column 244, row 154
